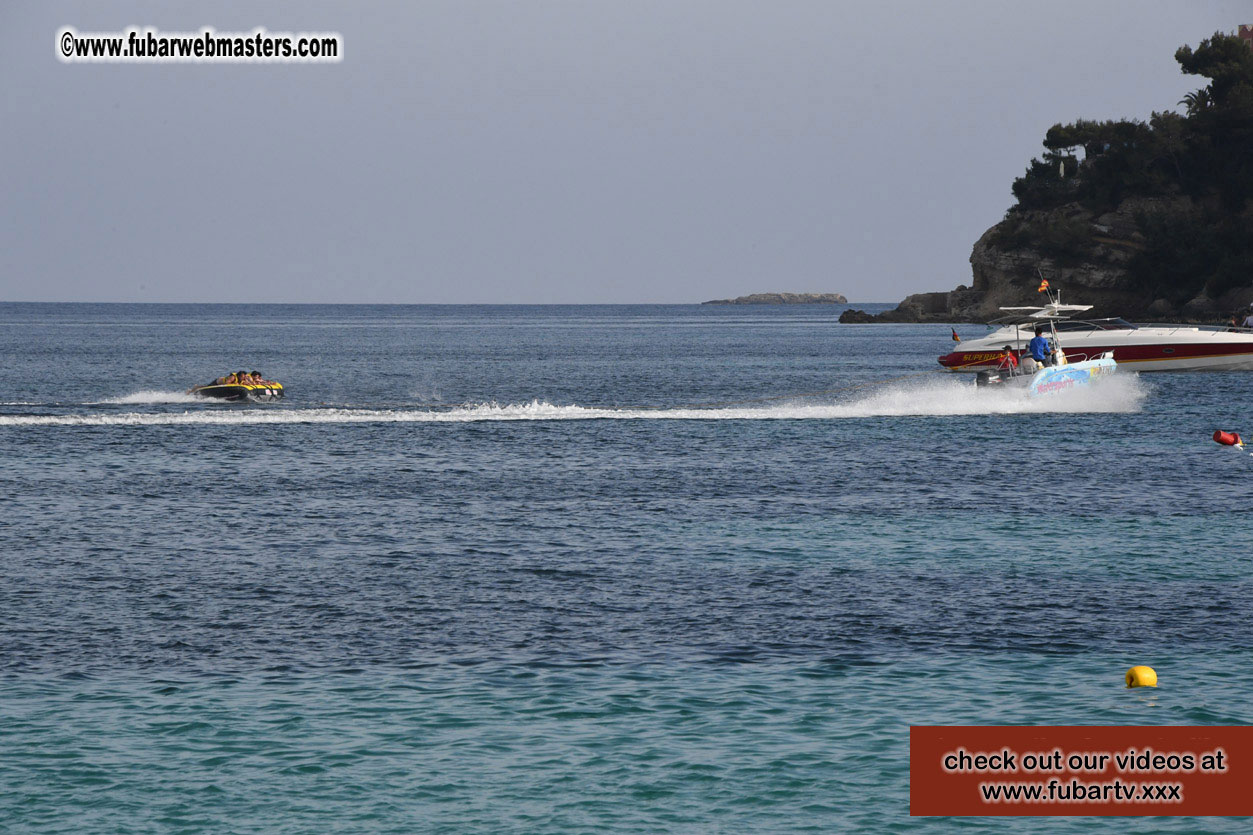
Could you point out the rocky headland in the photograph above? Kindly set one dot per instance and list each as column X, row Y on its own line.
column 1006, row 271
column 1152, row 221
column 785, row 298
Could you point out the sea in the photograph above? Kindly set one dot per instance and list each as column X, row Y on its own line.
column 587, row 569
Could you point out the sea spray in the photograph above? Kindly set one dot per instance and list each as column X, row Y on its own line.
column 148, row 396
column 934, row 399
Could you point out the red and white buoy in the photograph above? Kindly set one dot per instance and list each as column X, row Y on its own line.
column 1227, row 438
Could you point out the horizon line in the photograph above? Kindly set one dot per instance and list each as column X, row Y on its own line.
column 469, row 304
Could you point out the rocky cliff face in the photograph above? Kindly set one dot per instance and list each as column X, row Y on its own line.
column 1083, row 255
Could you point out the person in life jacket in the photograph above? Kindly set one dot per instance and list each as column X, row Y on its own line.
column 242, row 378
column 1008, row 362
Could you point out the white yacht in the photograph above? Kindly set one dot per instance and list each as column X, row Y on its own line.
column 1134, row 347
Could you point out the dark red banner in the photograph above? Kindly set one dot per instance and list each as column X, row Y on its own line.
column 1080, row 770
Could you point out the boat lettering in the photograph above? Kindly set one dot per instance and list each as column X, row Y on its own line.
column 1054, row 385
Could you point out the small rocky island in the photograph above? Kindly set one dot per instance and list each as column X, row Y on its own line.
column 785, row 298
column 1147, row 220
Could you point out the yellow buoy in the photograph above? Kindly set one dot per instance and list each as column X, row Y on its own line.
column 1142, row 676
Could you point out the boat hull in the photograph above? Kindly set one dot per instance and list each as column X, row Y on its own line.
column 237, row 393
column 1166, row 349
column 1053, row 379
column 1066, row 377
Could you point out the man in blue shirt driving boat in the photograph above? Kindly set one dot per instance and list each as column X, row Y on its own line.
column 1040, row 349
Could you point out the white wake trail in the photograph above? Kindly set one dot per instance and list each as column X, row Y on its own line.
column 148, row 396
column 935, row 399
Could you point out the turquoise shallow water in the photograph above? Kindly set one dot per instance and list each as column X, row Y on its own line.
column 557, row 569
column 812, row 746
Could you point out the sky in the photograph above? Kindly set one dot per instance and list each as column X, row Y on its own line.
column 544, row 151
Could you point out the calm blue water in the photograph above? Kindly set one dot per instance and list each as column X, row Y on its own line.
column 524, row 569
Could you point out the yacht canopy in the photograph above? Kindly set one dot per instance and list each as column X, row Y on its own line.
column 1035, row 314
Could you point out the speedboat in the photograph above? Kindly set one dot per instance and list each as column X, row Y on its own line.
column 1139, row 347
column 1013, row 368
column 1053, row 378
column 262, row 393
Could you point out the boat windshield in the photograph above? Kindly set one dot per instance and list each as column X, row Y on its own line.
column 1093, row 325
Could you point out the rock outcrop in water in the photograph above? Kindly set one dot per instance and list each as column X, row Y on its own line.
column 785, row 298
column 1152, row 221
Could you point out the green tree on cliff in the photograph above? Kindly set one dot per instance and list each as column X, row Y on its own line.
column 1206, row 155
column 1221, row 115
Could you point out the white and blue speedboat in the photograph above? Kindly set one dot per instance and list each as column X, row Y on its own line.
column 1052, row 379
column 1015, row 366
